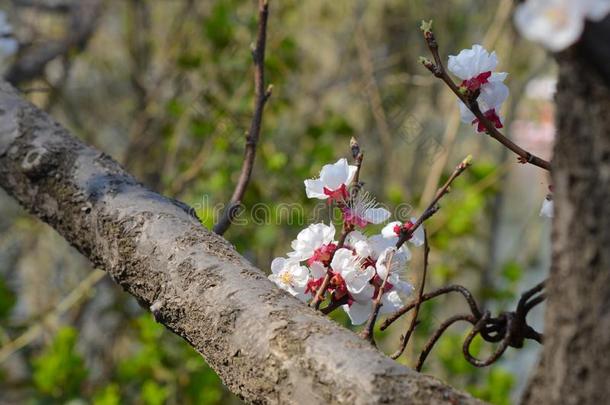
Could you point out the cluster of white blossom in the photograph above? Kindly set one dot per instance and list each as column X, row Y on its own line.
column 476, row 67
column 557, row 24
column 357, row 268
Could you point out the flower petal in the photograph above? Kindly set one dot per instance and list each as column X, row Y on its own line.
column 358, row 313
column 277, row 265
column 376, row 215
column 317, row 270
column 391, row 302
column 315, row 189
column 547, row 208
column 554, row 24
column 472, row 62
column 597, row 10
column 344, row 261
column 384, row 265
column 334, row 175
column 417, row 239
column 388, row 230
column 366, row 294
column 351, row 173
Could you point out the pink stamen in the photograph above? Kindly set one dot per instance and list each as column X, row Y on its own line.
column 351, row 218
column 476, row 82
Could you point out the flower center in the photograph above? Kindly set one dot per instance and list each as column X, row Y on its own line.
column 558, row 16
column 336, row 195
column 473, row 84
column 351, row 217
column 337, row 283
column 286, row 278
column 323, row 254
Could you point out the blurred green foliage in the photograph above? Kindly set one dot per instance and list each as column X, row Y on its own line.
column 59, row 370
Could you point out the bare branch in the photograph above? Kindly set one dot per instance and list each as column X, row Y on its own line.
column 260, row 99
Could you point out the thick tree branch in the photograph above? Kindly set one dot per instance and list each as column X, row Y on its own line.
column 265, row 345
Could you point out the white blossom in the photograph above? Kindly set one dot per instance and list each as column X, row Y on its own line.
column 557, row 24
column 363, row 210
column 333, row 181
column 310, row 239
column 470, row 63
column 492, row 97
column 547, row 208
column 384, row 265
column 476, row 67
column 392, row 230
column 290, row 276
column 360, row 243
column 357, row 277
column 359, row 312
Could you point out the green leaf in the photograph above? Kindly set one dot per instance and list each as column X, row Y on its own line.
column 153, row 393
column 109, row 395
column 59, row 370
column 512, row 271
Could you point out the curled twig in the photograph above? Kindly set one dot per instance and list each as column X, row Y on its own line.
column 474, row 307
column 507, row 329
column 437, row 334
column 478, row 327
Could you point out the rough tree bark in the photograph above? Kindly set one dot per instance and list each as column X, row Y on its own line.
column 575, row 364
column 265, row 345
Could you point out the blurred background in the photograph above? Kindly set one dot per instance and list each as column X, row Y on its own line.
column 166, row 88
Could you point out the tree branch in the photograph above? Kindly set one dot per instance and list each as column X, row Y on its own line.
column 260, row 99
column 31, row 62
column 438, row 69
column 266, row 346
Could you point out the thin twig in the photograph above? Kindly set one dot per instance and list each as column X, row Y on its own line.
column 261, row 97
column 438, row 333
column 334, row 304
column 405, row 338
column 438, row 69
column 474, row 308
column 406, row 234
column 475, row 331
column 509, row 328
column 77, row 294
column 367, row 332
column 319, row 297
